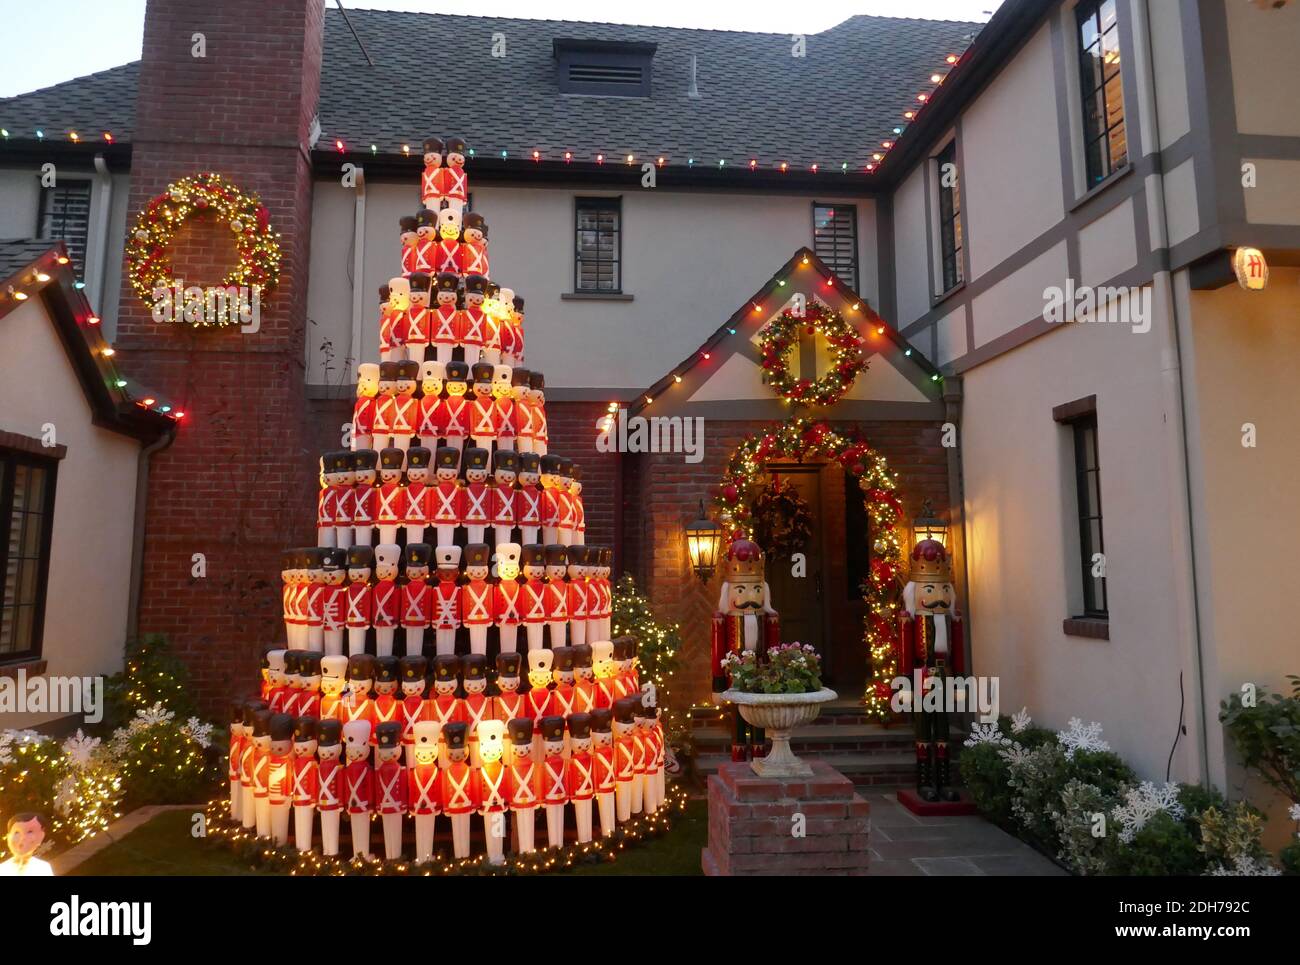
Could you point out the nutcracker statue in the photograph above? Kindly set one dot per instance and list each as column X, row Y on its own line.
column 416, row 597
column 334, row 598
column 292, row 684
column 336, row 468
column 447, row 497
column 477, row 510
column 508, row 702
column 406, row 410
column 930, row 638
column 418, row 492
column 360, row 598
column 364, row 462
column 456, row 786
column 528, row 498
column 428, row 423
column 603, row 764
column 646, row 721
column 309, row 682
column 451, row 180
column 413, row 669
column 507, row 596
column 533, row 593
column 538, row 699
column 426, row 239
column 430, row 194
column 579, row 581
column 333, row 682
column 329, row 777
column 419, row 318
column 521, row 413
column 277, row 690
column 387, row 706
column 472, row 258
column 446, row 599
column 491, row 790
column 504, row 401
column 390, row 498
column 446, row 253
column 557, row 593
column 390, row 785
column 446, row 315
column 562, row 695
column 579, row 775
column 444, row 706
column 306, row 781
column 554, row 794
column 521, row 781
column 515, row 353
column 744, row 621
column 385, row 596
column 363, row 411
column 567, row 521
column 476, row 596
column 422, row 795
column 358, row 783
column 476, row 705
column 358, row 705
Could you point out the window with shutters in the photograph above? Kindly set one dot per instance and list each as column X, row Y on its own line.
column 835, row 239
column 65, row 216
column 950, row 240
column 26, row 523
column 597, row 263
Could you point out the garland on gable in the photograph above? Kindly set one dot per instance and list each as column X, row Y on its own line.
column 847, row 358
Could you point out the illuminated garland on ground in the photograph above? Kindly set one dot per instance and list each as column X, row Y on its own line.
column 148, row 262
column 286, row 858
column 803, row 438
column 846, row 348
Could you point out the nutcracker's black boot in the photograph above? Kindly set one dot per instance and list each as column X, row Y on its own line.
column 943, row 776
column 925, row 772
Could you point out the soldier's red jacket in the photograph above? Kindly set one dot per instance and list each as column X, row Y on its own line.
column 916, row 643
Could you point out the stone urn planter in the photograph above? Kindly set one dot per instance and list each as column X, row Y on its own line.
column 778, row 714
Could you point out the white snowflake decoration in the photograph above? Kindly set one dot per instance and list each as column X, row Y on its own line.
column 9, row 739
column 1295, row 812
column 156, row 714
column 1020, row 721
column 1081, row 737
column 986, row 734
column 1244, row 866
column 1015, row 755
column 1142, row 803
column 80, row 749
column 198, row 731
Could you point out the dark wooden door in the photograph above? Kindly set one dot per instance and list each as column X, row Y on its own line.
column 800, row 599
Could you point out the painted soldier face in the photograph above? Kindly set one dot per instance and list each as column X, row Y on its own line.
column 457, row 388
column 483, row 389
column 332, row 686
column 387, row 754
column 431, row 382
column 539, row 678
column 391, row 474
column 577, row 571
column 476, row 572
column 413, row 688
column 534, row 571
column 359, row 574
column 575, row 487
column 330, row 752
column 527, row 478
column 501, row 388
column 934, row 598
column 311, row 681
column 417, row 474
column 385, row 688
column 446, row 296
column 388, row 387
column 446, row 473
column 358, row 750
column 417, row 572
column 508, row 569
column 366, row 475
column 509, row 685
column 449, row 224
column 602, row 738
column 405, row 386
column 580, row 745
column 745, row 597
column 444, row 688
column 476, row 685
column 408, row 236
column 457, row 754
column 455, row 159
column 304, row 748
column 419, row 298
column 475, row 299
column 536, row 396
column 520, row 392
column 360, row 687
column 553, row 748
column 399, row 295
column 448, row 574
column 555, row 571
column 262, row 742
column 476, row 475
column 281, row 747
column 425, row 232
column 505, row 478
column 473, row 235
column 584, row 673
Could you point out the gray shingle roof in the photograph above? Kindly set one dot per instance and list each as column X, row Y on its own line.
column 17, row 253
column 833, row 105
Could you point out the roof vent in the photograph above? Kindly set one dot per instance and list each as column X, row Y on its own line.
column 604, row 68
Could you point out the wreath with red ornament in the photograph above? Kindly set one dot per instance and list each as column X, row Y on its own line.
column 847, row 358
column 149, row 264
column 783, row 522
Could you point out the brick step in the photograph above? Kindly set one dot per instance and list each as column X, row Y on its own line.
column 897, row 767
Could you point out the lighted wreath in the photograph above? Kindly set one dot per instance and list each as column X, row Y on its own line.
column 258, row 245
column 799, row 439
column 783, row 522
column 847, row 358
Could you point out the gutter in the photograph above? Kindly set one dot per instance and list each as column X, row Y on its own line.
column 137, row 535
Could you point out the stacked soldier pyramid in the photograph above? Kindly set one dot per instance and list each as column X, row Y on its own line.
column 443, row 531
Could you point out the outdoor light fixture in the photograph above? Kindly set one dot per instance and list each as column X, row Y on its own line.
column 929, row 526
column 703, row 539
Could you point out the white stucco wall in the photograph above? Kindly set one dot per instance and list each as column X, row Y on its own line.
column 1265, row 68
column 690, row 259
column 90, row 562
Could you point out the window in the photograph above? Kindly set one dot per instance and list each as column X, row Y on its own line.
column 65, row 216
column 596, row 266
column 950, row 244
column 1092, row 547
column 835, row 239
column 1105, row 147
column 26, row 522
column 604, row 68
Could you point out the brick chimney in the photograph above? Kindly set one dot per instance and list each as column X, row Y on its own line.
column 236, row 485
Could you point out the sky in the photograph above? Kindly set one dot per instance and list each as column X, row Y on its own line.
column 97, row 34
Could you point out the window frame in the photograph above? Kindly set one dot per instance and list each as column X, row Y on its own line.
column 1098, row 132
column 1078, row 417
column 42, row 207
column 946, row 155
column 10, row 458
column 851, row 211
column 598, row 202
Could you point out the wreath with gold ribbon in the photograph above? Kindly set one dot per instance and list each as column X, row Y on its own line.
column 783, row 520
column 209, row 194
column 847, row 358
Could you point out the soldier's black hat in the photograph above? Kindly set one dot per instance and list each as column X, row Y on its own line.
column 573, row 471
column 536, row 380
column 557, row 555
column 408, row 222
column 329, row 732
column 582, row 655
column 384, row 292
column 288, row 561
column 251, row 708
column 563, row 658
column 566, row 466
column 334, row 559
column 625, row 709
column 581, row 555
column 390, row 457
column 446, row 458
column 529, row 462
column 506, row 459
column 623, row 648
column 304, row 729
column 388, row 734
column 533, row 554
column 475, row 220
column 387, row 371
column 446, row 666
column 454, row 733
column 553, row 728
column 291, row 662
column 482, row 371
column 476, row 283
column 433, row 145
column 519, row 303
column 579, row 726
column 447, row 281
column 340, row 460
column 359, row 556
column 551, row 464
column 600, row 718
column 478, row 554
column 386, row 669
column 417, row 457
column 365, row 459
column 309, row 663
column 476, row 458
column 492, row 287
column 413, row 667
column 457, row 371
column 474, row 666
column 509, row 664
column 408, row 370
column 418, row 554
column 426, row 216
column 261, row 722
column 361, row 666
column 420, row 281
column 316, row 557
column 521, row 730
column 455, row 145
column 519, row 376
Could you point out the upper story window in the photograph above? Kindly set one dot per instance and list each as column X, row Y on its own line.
column 604, row 67
column 597, row 265
column 26, row 527
column 950, row 239
column 1105, row 145
column 835, row 239
column 65, row 216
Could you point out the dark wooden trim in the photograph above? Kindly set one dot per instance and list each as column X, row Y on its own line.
column 34, row 668
column 1095, row 628
column 595, row 296
column 1069, row 411
column 13, row 440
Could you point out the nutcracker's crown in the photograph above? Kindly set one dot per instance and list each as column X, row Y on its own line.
column 744, row 562
column 930, row 563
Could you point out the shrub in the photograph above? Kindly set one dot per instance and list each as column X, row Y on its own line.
column 1077, row 820
column 986, row 774
column 1267, row 736
column 1104, row 769
column 165, row 762
column 1036, row 781
column 1164, row 846
column 151, row 675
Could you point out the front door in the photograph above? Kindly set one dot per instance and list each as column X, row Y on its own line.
column 798, row 591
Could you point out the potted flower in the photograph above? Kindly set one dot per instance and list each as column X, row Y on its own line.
column 778, row 693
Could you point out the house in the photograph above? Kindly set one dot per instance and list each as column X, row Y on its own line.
column 1046, row 210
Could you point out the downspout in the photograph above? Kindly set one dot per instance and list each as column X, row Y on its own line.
column 358, row 269
column 137, row 531
column 104, row 206
column 1162, row 288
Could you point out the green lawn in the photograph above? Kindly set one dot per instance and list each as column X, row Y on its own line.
column 165, row 847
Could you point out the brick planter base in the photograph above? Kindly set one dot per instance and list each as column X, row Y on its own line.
column 754, row 830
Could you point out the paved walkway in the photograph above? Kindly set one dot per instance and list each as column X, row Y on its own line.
column 904, row 844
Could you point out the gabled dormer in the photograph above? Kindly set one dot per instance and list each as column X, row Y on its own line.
column 604, row 68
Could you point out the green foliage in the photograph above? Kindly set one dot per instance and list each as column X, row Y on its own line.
column 1232, row 832
column 1077, row 821
column 1289, row 858
column 986, row 775
column 163, row 762
column 657, row 644
column 151, row 675
column 788, row 669
column 1164, row 846
column 1267, row 736
column 1036, row 784
column 1103, row 769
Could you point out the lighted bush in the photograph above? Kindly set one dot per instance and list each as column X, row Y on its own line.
column 163, row 761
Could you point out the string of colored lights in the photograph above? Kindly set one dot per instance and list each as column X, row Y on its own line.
column 846, row 348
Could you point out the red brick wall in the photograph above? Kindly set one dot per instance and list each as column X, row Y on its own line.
column 572, row 431
column 664, row 493
column 236, row 484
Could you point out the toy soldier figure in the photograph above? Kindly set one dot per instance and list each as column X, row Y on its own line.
column 642, row 792
column 930, row 638
column 512, row 351
column 476, row 596
column 575, row 502
column 385, row 615
column 446, row 316
column 744, row 621
column 507, row 596
column 434, row 149
column 491, row 791
column 385, row 406
column 606, row 592
column 584, row 679
column 232, row 761
column 287, row 696
column 528, row 497
column 509, row 702
column 471, row 324
column 333, row 681
column 444, row 706
column 579, row 774
column 451, row 180
column 504, row 400
column 419, row 317
column 562, row 696
column 357, row 705
column 521, row 781
column 472, row 259
column 537, row 396
column 278, row 780
column 247, row 761
column 309, row 677
column 446, row 600
column 277, row 691
column 533, row 594
column 360, row 597
column 658, row 740
column 624, row 755
column 602, row 757
column 476, row 705
column 477, row 494
column 522, row 413
column 483, row 427
column 315, row 597
column 391, row 496
column 390, row 786
column 407, row 226
column 329, row 800
column 538, row 699
column 363, row 496
column 551, row 510
column 623, row 683
column 343, row 500
column 417, row 597
column 405, row 410
column 288, row 591
column 447, row 497
column 446, row 253
column 418, row 492
column 557, row 592
column 554, row 794
column 576, row 603
column 334, row 598
column 358, row 783
column 566, row 521
column 413, row 669
column 602, row 658
column 422, row 794
column 429, row 426
column 387, row 706
column 332, row 473
column 262, row 772
column 455, row 408
column 363, row 411
column 426, row 232
column 306, row 781
column 456, row 786
column 390, row 322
